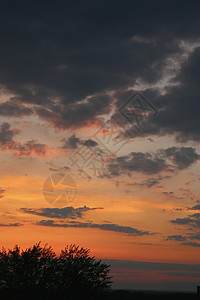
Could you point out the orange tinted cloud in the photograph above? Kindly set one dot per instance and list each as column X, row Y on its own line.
column 27, row 149
column 32, row 148
column 7, row 143
column 189, row 182
column 157, row 187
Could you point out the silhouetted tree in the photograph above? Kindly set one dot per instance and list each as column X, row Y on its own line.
column 39, row 268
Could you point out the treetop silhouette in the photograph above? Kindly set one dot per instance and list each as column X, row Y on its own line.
column 40, row 268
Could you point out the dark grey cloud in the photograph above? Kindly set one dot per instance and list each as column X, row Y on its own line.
column 74, row 142
column 195, row 236
column 192, row 244
column 179, row 106
column 176, row 237
column 12, row 108
column 59, row 213
column 195, row 207
column 7, row 134
column 182, row 221
column 190, row 239
column 192, row 220
column 138, row 162
column 177, row 115
column 74, row 71
column 90, row 143
column 182, row 157
column 170, row 160
column 57, row 56
column 76, row 114
column 7, row 143
column 152, row 182
column 108, row 227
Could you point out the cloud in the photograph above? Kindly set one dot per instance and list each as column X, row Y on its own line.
column 189, row 239
column 11, row 225
column 75, row 115
column 77, row 70
column 157, row 187
column 178, row 113
column 107, row 227
column 182, row 221
column 74, row 142
column 178, row 238
column 178, row 209
column 182, row 274
column 189, row 182
column 7, row 134
column 118, row 182
column 53, row 169
column 14, row 109
column 170, row 195
column 164, row 160
column 72, row 84
column 59, row 213
column 184, row 190
column 192, row 220
column 147, row 265
column 112, row 50
column 195, row 207
column 29, row 148
column 2, row 191
column 182, row 157
column 7, row 143
column 175, row 111
column 145, row 163
column 192, row 244
column 152, row 182
column 195, row 236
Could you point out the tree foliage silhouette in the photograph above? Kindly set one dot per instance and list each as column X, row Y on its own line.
column 39, row 268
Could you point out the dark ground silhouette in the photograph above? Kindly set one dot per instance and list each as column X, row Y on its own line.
column 89, row 295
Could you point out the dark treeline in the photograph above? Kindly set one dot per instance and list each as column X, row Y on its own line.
column 38, row 271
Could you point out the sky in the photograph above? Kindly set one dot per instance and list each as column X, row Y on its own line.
column 99, row 134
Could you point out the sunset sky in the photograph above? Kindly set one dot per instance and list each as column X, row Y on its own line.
column 99, row 134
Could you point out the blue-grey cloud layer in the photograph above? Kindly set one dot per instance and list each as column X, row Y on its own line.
column 159, row 266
